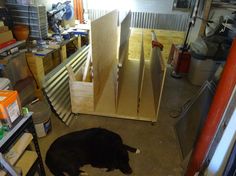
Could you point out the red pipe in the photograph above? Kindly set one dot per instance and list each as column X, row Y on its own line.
column 217, row 108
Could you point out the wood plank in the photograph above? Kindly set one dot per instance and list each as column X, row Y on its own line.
column 104, row 52
column 81, row 93
column 166, row 37
column 107, row 104
column 128, row 99
column 17, row 150
column 124, row 36
column 158, row 69
column 141, row 73
column 27, row 161
column 87, row 66
column 205, row 15
column 147, row 105
column 120, row 72
column 63, row 54
column 36, row 66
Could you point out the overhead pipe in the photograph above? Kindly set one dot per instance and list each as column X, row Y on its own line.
column 223, row 92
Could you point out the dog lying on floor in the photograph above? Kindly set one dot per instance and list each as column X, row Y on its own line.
column 96, row 146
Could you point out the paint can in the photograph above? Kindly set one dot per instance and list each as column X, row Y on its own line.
column 41, row 117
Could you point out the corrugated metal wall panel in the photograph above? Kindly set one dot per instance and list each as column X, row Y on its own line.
column 56, row 85
column 177, row 22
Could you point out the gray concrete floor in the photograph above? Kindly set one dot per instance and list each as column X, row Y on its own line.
column 160, row 152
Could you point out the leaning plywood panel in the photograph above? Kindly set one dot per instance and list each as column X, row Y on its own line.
column 104, row 51
column 120, row 71
column 146, row 104
column 128, row 98
column 158, row 71
column 141, row 73
column 124, row 37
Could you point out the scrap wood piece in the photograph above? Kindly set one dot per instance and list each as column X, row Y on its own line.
column 87, row 66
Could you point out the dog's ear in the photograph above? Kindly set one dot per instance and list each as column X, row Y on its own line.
column 131, row 149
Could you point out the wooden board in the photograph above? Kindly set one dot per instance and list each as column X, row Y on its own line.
column 36, row 66
column 128, row 99
column 147, row 106
column 157, row 69
column 13, row 155
column 120, row 72
column 141, row 73
column 166, row 37
column 107, row 104
column 81, row 93
column 124, row 36
column 104, row 52
column 26, row 161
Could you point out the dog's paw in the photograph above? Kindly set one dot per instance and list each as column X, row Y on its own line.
column 138, row 151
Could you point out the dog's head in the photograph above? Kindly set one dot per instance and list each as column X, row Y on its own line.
column 123, row 161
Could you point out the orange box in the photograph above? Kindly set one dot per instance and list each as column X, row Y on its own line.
column 10, row 107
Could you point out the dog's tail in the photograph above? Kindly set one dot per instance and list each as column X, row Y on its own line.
column 131, row 149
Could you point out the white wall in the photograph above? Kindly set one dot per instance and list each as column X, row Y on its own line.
column 157, row 6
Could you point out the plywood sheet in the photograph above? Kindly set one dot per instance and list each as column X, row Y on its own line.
column 104, row 51
column 106, row 103
column 146, row 106
column 128, row 99
column 166, row 37
column 124, row 36
column 157, row 68
column 120, row 72
column 141, row 72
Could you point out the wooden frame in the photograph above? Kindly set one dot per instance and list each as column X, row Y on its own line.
column 122, row 87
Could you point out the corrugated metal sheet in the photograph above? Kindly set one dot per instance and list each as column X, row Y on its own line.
column 94, row 14
column 177, row 22
column 56, row 85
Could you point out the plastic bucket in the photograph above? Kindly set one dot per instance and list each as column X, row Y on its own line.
column 41, row 118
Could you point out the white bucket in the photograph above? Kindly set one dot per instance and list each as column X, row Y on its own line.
column 41, row 118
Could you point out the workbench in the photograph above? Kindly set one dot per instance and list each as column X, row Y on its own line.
column 42, row 62
column 31, row 161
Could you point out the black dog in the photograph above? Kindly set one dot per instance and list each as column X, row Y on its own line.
column 96, row 146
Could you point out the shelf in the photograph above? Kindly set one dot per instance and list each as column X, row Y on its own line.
column 13, row 155
column 26, row 161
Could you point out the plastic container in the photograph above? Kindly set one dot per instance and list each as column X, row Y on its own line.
column 10, row 108
column 201, row 69
column 41, row 117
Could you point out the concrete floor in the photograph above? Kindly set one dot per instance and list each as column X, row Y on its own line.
column 160, row 152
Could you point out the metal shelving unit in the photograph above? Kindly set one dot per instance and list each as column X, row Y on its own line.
column 25, row 125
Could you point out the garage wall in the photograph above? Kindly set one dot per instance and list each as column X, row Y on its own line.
column 156, row 6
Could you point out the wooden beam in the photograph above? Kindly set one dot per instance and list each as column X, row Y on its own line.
column 205, row 15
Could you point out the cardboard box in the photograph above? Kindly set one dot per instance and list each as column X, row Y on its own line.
column 3, row 29
column 5, row 37
column 10, row 107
